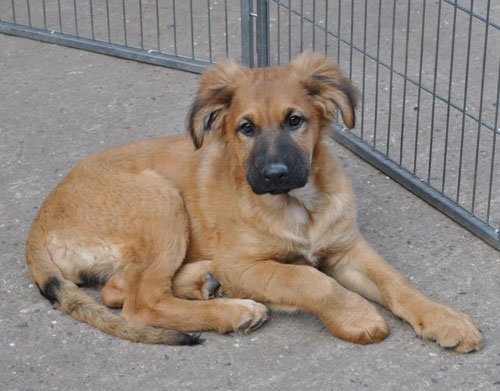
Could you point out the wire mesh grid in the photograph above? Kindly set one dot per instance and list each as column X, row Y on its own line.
column 428, row 73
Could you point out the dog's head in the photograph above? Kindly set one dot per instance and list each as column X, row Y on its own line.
column 272, row 118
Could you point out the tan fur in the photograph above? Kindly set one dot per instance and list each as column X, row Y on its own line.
column 150, row 219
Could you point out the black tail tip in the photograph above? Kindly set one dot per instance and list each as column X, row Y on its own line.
column 49, row 289
column 190, row 339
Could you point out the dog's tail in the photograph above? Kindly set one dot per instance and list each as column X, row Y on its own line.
column 69, row 298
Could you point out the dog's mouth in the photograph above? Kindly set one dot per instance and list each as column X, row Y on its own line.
column 272, row 192
column 279, row 191
column 260, row 190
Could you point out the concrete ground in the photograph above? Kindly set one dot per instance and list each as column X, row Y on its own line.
column 58, row 105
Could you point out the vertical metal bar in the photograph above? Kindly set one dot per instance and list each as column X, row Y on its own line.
column 44, row 15
column 246, row 34
column 60, row 18
column 76, row 17
column 29, row 11
column 175, row 28
column 314, row 25
column 209, row 32
column 493, row 146
column 192, row 27
column 326, row 28
column 141, row 25
column 431, row 142
column 124, row 23
column 107, row 21
column 301, row 26
column 13, row 11
column 263, row 53
column 481, row 101
column 226, row 29
column 450, row 84
column 404, row 84
column 391, row 77
column 419, row 94
column 364, row 71
column 466, row 84
column 278, row 38
column 352, row 39
column 91, row 18
column 289, row 30
column 338, row 31
column 377, row 73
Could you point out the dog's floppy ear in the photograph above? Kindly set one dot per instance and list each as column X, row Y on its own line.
column 212, row 100
column 330, row 89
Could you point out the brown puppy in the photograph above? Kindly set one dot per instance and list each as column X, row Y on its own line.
column 258, row 202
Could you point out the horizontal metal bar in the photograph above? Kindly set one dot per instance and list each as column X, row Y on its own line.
column 128, row 52
column 417, row 186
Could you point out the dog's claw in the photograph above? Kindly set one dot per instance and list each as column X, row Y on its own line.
column 257, row 324
column 245, row 325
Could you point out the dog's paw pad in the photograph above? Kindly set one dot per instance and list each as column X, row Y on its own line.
column 211, row 284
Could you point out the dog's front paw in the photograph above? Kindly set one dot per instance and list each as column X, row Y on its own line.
column 360, row 323
column 246, row 315
column 450, row 328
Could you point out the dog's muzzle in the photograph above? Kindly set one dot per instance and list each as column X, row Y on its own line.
column 276, row 164
column 277, row 178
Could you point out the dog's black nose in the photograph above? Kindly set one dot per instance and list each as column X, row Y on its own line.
column 275, row 174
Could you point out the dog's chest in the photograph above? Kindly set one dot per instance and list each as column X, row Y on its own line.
column 312, row 245
column 305, row 232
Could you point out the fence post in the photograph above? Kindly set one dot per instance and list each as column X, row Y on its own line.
column 263, row 53
column 247, row 45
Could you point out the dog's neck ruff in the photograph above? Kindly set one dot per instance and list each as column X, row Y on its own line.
column 297, row 220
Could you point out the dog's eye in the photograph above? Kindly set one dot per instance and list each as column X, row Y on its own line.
column 248, row 129
column 294, row 122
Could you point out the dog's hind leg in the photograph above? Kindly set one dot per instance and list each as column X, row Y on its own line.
column 148, row 284
column 150, row 298
column 193, row 281
column 152, row 301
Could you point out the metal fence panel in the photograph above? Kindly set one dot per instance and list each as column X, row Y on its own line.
column 429, row 79
column 428, row 73
column 181, row 34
